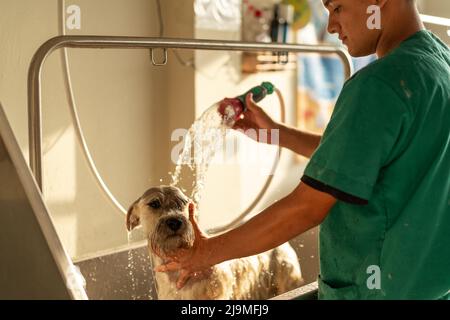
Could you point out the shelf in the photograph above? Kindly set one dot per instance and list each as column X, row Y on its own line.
column 253, row 62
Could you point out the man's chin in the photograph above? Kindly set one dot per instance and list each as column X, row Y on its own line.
column 358, row 53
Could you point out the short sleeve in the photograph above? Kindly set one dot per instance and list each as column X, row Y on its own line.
column 362, row 132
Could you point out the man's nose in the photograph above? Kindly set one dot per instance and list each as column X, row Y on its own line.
column 332, row 27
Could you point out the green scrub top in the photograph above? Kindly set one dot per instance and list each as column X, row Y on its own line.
column 385, row 156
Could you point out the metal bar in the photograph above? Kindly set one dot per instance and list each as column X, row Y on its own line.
column 435, row 20
column 34, row 72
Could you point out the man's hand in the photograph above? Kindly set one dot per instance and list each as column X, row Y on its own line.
column 255, row 118
column 194, row 262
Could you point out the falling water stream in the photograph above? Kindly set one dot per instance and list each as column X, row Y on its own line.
column 132, row 268
column 205, row 137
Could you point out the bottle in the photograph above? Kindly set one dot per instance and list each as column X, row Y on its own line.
column 232, row 108
column 286, row 15
column 275, row 26
column 262, row 26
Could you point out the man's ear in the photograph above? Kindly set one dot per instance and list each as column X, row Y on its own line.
column 132, row 218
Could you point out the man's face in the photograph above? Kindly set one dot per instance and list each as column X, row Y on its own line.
column 348, row 18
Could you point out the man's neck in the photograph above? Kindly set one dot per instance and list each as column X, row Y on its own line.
column 405, row 25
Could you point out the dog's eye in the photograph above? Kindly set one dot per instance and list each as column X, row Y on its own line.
column 155, row 204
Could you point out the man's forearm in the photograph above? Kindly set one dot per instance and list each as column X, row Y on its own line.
column 274, row 226
column 300, row 142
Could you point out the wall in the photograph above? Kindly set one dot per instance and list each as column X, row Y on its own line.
column 441, row 9
column 437, row 8
column 125, row 107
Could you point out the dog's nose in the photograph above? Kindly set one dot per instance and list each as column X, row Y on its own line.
column 174, row 223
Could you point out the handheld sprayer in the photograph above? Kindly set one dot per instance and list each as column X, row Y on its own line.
column 232, row 108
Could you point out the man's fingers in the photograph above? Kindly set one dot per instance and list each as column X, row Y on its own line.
column 183, row 278
column 171, row 266
column 191, row 211
column 240, row 124
column 244, row 124
column 193, row 220
column 156, row 251
column 249, row 101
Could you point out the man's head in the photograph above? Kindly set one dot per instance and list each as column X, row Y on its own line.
column 349, row 19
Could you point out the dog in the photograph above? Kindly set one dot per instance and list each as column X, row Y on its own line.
column 163, row 214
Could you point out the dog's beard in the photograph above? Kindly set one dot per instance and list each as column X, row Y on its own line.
column 163, row 244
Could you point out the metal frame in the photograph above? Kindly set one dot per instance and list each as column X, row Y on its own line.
column 34, row 72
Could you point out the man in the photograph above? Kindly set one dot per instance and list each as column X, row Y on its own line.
column 378, row 181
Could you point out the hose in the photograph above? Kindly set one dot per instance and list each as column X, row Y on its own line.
column 76, row 122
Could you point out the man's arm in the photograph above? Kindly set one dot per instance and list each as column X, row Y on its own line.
column 298, row 212
column 303, row 209
column 256, row 118
column 301, row 142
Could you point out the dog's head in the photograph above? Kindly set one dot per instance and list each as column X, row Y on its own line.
column 163, row 213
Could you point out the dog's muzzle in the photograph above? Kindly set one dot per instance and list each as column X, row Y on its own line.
column 174, row 224
column 172, row 233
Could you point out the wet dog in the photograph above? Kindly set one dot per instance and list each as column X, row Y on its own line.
column 163, row 213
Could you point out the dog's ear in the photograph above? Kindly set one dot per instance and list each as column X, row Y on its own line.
column 132, row 218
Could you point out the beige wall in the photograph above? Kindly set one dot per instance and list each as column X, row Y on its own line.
column 126, row 106
column 439, row 8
